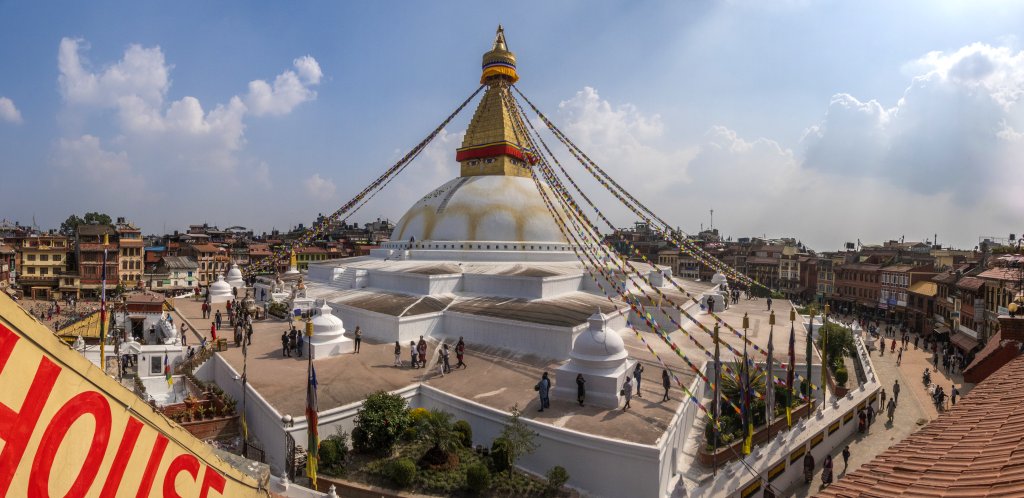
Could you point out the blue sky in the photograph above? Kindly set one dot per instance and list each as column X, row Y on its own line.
column 827, row 121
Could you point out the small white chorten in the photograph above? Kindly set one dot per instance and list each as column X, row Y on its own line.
column 328, row 335
column 220, row 291
column 600, row 355
column 235, row 279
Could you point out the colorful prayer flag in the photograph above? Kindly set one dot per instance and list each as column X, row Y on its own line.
column 769, row 393
column 748, row 417
column 313, row 442
column 167, row 369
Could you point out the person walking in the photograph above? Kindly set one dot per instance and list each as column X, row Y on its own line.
column 359, row 339
column 638, row 372
column 892, row 349
column 882, row 403
column 284, row 344
column 543, row 388
column 666, row 383
column 881, row 347
column 218, row 319
column 808, row 467
column 421, row 350
column 871, row 414
column 627, row 391
column 213, row 330
column 445, row 355
column 398, row 354
column 581, row 390
column 891, row 408
column 248, row 334
column 769, row 302
column 846, row 458
column 899, row 357
column 826, row 471
column 412, row 355
column 460, row 353
column 896, row 391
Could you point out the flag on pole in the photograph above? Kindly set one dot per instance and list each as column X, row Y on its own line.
column 313, row 442
column 245, row 363
column 790, row 375
column 167, row 369
column 748, row 417
column 769, row 383
column 824, row 358
column 715, row 383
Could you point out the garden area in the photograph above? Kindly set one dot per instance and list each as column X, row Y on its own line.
column 427, row 452
column 732, row 429
column 840, row 347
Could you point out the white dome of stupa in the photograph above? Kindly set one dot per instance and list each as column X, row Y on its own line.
column 598, row 346
column 234, row 273
column 326, row 324
column 481, row 208
column 220, row 290
column 719, row 279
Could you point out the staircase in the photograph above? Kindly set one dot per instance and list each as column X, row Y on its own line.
column 347, row 280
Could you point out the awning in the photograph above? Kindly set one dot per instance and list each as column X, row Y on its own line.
column 941, row 329
column 964, row 341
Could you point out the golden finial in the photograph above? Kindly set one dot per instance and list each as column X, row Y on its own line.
column 499, row 62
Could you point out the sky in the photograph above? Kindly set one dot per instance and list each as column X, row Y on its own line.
column 829, row 122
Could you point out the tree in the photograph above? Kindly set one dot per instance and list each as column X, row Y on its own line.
column 379, row 423
column 436, row 429
column 95, row 218
column 840, row 343
column 519, row 439
column 70, row 225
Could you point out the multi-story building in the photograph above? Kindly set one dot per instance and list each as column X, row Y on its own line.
column 8, row 266
column 921, row 306
column 1002, row 284
column 895, row 280
column 175, row 274
column 306, row 255
column 212, row 260
column 130, row 253
column 43, row 259
column 967, row 330
column 858, row 285
column 826, row 284
column 92, row 241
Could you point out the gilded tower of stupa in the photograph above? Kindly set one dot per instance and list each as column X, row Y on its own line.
column 491, row 146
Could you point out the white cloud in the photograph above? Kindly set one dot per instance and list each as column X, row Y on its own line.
column 8, row 112
column 84, row 158
column 289, row 90
column 319, row 187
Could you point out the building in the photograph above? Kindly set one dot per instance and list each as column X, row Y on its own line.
column 1002, row 283
column 130, row 253
column 43, row 259
column 895, row 280
column 175, row 274
column 859, row 286
column 93, row 244
column 213, row 260
column 8, row 266
column 826, row 282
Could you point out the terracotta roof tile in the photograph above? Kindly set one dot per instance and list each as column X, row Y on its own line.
column 973, row 450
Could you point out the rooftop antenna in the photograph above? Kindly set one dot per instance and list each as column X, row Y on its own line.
column 712, row 227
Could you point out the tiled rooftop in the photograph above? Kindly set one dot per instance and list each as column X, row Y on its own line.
column 974, row 449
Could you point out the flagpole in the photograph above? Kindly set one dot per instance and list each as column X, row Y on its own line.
column 717, row 406
column 245, row 427
column 769, row 386
column 103, row 307
column 749, row 416
column 313, row 451
column 809, row 360
column 791, row 368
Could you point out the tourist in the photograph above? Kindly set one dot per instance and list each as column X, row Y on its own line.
column 862, row 421
column 460, row 353
column 896, row 391
column 581, row 392
column 881, row 347
column 421, row 350
column 412, row 355
column 213, row 330
column 899, row 357
column 871, row 414
column 891, row 408
column 808, row 467
column 206, row 310
column 398, row 354
column 638, row 372
column 627, row 391
column 445, row 355
column 184, row 335
column 284, row 344
column 665, row 382
column 248, row 334
column 218, row 319
column 298, row 344
column 359, row 339
column 826, row 471
column 543, row 388
column 769, row 302
column 711, row 304
column 846, row 458
column 882, row 403
column 953, row 393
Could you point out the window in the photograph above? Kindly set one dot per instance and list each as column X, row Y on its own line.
column 157, row 364
column 56, row 257
column 44, row 271
column 44, row 257
column 30, row 257
column 30, row 270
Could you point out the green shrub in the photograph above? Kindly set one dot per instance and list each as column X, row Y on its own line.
column 401, row 472
column 478, row 478
column 334, row 449
column 465, row 433
column 841, row 376
column 501, row 457
column 557, row 477
column 379, row 423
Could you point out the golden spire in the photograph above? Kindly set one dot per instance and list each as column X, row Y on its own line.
column 499, row 63
column 491, row 145
column 295, row 261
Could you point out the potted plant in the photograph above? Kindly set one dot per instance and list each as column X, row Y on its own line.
column 200, row 412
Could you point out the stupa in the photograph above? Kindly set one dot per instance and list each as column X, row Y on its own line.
column 328, row 334
column 599, row 354
column 220, row 291
column 293, row 266
column 234, row 278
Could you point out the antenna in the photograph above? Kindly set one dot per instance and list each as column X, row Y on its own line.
column 712, row 227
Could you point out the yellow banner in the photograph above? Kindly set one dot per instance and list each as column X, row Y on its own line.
column 69, row 430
